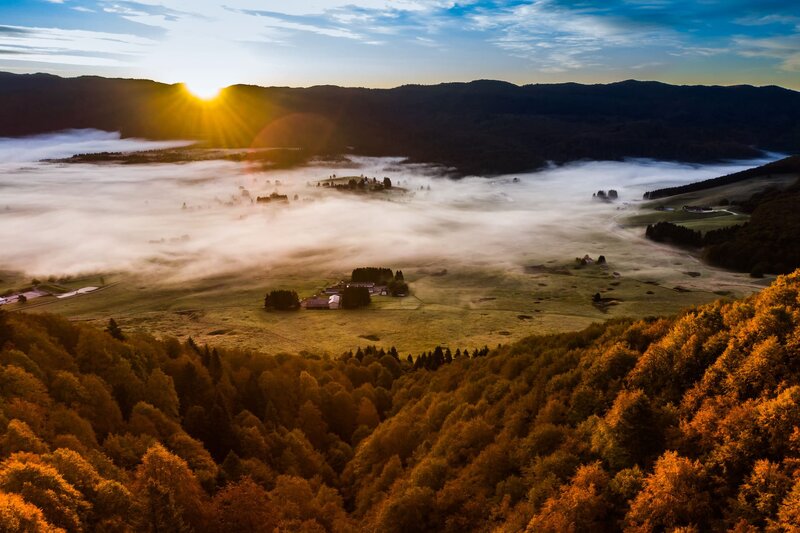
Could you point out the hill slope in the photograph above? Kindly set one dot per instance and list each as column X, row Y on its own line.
column 482, row 127
column 766, row 243
column 788, row 165
column 648, row 426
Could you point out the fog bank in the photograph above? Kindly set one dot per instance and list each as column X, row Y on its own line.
column 184, row 221
column 66, row 143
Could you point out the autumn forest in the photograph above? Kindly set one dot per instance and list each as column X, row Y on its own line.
column 687, row 423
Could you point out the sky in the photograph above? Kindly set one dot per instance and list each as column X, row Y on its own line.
column 386, row 43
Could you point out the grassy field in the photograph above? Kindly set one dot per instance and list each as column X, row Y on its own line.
column 468, row 307
column 465, row 308
column 719, row 218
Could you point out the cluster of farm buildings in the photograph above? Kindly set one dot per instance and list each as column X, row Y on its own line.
column 331, row 297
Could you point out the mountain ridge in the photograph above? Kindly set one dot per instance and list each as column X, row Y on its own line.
column 483, row 127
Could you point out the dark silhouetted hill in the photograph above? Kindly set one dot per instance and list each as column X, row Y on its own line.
column 482, row 127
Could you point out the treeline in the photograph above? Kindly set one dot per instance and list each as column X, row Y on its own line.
column 665, row 424
column 670, row 233
column 430, row 360
column 788, row 165
column 482, row 127
column 443, row 356
column 394, row 281
column 376, row 275
column 273, row 158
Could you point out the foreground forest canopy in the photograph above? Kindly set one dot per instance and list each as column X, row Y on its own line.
column 483, row 127
column 689, row 423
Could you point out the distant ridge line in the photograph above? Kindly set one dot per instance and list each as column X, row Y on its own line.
column 788, row 165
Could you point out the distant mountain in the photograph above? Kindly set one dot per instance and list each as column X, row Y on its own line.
column 482, row 127
column 788, row 165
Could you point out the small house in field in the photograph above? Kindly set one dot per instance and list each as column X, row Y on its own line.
column 379, row 289
column 316, row 302
column 334, row 301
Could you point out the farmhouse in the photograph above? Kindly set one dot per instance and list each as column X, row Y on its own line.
column 367, row 284
column 373, row 287
column 334, row 302
column 316, row 302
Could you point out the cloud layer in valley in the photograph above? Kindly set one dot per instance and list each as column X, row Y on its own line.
column 184, row 221
column 67, row 143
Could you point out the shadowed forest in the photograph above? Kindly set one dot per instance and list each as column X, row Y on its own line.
column 685, row 422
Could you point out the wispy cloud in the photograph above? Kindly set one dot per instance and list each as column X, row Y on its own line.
column 767, row 20
column 784, row 49
column 559, row 39
column 71, row 47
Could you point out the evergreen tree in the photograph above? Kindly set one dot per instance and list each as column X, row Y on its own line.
column 114, row 330
column 215, row 366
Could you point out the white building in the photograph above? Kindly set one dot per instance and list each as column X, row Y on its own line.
column 334, row 301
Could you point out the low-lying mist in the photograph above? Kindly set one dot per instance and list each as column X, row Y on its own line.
column 66, row 143
column 192, row 220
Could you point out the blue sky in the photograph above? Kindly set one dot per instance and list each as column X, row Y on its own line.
column 384, row 43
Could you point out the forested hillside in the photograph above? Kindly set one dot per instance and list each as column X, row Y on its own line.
column 668, row 424
column 768, row 242
column 482, row 127
column 786, row 166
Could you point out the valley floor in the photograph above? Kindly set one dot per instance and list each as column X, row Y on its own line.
column 468, row 307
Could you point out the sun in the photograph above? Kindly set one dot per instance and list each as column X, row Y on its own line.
column 204, row 90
